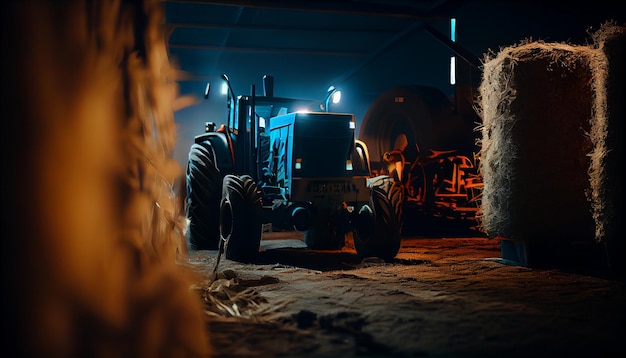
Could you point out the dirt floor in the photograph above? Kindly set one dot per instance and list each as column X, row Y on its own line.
column 441, row 297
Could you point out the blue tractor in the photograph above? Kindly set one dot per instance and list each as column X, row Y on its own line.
column 275, row 166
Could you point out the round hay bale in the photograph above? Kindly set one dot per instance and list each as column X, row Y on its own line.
column 536, row 100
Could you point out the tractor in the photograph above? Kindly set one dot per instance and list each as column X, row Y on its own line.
column 275, row 167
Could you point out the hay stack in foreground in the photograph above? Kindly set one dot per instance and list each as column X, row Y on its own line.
column 539, row 103
column 89, row 229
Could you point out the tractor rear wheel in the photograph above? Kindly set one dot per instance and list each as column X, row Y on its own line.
column 240, row 218
column 378, row 229
column 203, row 183
column 324, row 235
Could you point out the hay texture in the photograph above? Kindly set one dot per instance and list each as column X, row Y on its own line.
column 552, row 142
column 537, row 103
column 91, row 227
column 607, row 134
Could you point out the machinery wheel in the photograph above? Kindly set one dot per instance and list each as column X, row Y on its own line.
column 324, row 235
column 240, row 218
column 203, row 183
column 378, row 228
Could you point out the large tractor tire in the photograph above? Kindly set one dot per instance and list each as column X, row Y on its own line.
column 378, row 229
column 240, row 218
column 203, row 184
column 426, row 117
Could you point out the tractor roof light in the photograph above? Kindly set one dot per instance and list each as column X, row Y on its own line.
column 333, row 94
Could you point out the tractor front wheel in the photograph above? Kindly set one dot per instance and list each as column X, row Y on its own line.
column 240, row 218
column 378, row 228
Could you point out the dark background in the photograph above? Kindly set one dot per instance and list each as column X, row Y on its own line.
column 362, row 47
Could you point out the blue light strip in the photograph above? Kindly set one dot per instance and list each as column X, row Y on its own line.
column 453, row 29
column 453, row 58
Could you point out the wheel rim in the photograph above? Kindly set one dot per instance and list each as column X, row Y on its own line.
column 364, row 227
column 226, row 219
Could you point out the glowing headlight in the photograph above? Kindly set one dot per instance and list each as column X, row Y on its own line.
column 336, row 97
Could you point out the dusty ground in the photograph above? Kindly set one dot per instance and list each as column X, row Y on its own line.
column 440, row 297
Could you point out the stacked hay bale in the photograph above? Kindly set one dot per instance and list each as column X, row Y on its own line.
column 91, row 229
column 539, row 102
column 607, row 134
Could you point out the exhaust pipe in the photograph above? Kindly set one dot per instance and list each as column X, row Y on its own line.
column 268, row 86
column 230, row 88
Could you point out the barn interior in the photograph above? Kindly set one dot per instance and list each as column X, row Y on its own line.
column 424, row 52
column 514, row 108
